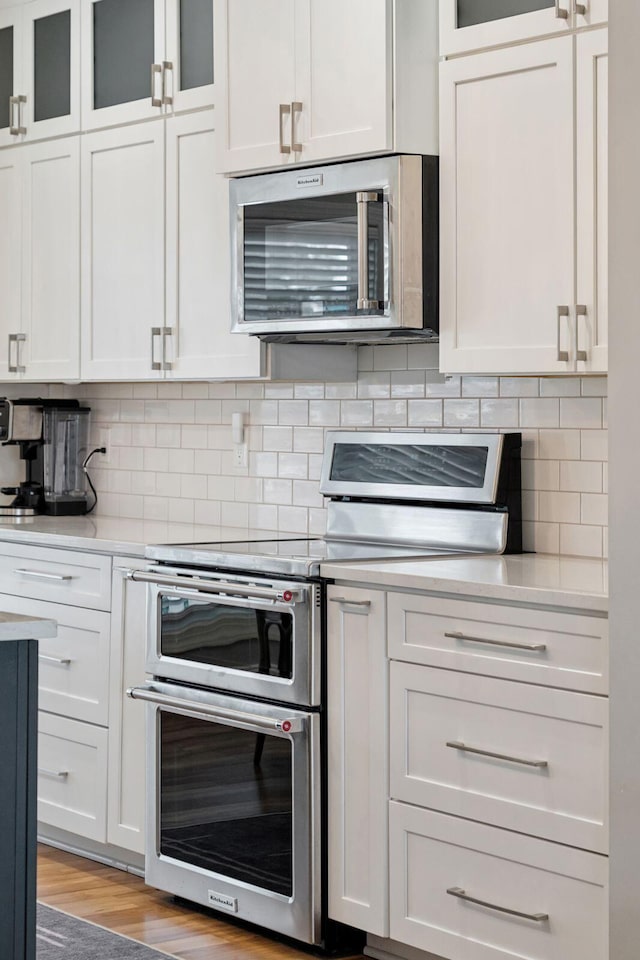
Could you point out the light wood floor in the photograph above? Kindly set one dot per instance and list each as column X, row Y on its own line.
column 122, row 903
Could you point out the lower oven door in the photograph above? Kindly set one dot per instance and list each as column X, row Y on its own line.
column 233, row 806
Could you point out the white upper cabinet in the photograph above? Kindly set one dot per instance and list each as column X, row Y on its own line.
column 51, row 260
column 39, row 70
column 523, row 196
column 200, row 344
column 467, row 25
column 123, row 253
column 145, row 59
column 39, row 261
column 123, row 52
column 311, row 80
column 591, row 196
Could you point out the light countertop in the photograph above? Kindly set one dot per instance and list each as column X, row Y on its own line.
column 557, row 581
column 118, row 536
column 16, row 627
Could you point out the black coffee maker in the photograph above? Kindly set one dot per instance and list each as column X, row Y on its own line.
column 53, row 438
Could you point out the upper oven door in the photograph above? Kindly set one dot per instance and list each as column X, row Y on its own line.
column 230, row 634
column 314, row 250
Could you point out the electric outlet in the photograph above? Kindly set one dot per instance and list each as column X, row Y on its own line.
column 104, row 440
column 240, row 456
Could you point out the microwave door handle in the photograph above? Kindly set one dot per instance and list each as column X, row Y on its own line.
column 258, row 723
column 363, row 199
column 386, row 227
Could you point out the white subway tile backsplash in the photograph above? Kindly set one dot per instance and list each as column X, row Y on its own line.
column 581, row 412
column 171, row 458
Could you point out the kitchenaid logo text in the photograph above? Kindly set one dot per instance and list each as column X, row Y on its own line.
column 220, row 900
column 314, row 181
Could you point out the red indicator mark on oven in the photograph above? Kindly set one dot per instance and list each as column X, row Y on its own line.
column 286, row 725
column 287, row 596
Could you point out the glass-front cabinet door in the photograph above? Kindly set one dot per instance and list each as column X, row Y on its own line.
column 189, row 62
column 11, row 22
column 467, row 25
column 39, row 70
column 123, row 78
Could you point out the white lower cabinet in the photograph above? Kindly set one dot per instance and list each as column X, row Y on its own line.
column 496, row 794
column 91, row 763
column 72, row 776
column 467, row 891
column 126, row 790
column 357, row 718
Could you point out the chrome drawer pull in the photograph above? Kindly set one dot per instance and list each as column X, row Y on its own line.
column 457, row 745
column 561, row 13
column 461, row 895
column 56, row 774
column 63, row 661
column 511, row 644
column 352, row 603
column 37, row 575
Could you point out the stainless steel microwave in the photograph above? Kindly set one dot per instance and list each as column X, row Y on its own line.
column 340, row 253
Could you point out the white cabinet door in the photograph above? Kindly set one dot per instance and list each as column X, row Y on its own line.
column 52, row 68
column 507, row 210
column 51, row 260
column 467, row 25
column 189, row 51
column 121, row 43
column 596, row 11
column 11, row 75
column 198, row 286
column 344, row 80
column 10, row 259
column 126, row 790
column 592, row 198
column 357, row 778
column 255, row 47
column 122, row 202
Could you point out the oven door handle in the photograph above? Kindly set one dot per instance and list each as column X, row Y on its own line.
column 220, row 587
column 287, row 725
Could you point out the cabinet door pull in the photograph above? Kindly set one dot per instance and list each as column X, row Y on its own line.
column 18, row 129
column 56, row 774
column 563, row 311
column 284, row 111
column 155, row 332
column 38, row 575
column 364, row 604
column 16, row 338
column 166, row 332
column 581, row 311
column 62, row 661
column 511, row 644
column 561, row 13
column 464, row 748
column 580, row 9
column 167, row 67
column 462, row 895
column 296, row 107
column 156, row 68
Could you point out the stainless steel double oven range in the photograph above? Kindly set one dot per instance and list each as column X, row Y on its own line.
column 236, row 720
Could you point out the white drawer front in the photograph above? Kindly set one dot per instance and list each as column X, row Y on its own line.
column 73, row 667
column 62, row 576
column 536, row 646
column 72, row 776
column 432, row 853
column 439, row 719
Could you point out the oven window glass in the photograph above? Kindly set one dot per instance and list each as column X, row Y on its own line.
column 236, row 638
column 437, row 465
column 301, row 258
column 226, row 801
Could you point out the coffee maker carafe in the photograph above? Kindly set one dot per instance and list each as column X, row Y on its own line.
column 53, row 439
